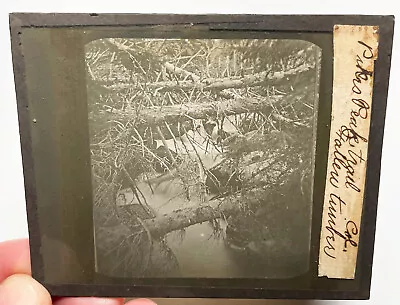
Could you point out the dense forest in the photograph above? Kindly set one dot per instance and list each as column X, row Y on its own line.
column 215, row 132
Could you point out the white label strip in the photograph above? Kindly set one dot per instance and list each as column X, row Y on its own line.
column 355, row 50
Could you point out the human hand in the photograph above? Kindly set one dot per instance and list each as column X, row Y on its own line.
column 17, row 287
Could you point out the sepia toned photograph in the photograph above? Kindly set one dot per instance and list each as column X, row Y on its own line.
column 202, row 156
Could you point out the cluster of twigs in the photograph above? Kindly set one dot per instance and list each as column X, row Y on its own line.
column 144, row 92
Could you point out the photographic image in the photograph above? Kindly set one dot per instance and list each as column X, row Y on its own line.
column 202, row 156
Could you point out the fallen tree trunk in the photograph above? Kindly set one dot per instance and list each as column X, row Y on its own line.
column 158, row 115
column 180, row 219
column 251, row 198
column 257, row 79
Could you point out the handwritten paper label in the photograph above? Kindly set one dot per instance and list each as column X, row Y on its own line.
column 355, row 50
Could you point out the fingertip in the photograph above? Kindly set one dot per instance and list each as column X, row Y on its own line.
column 89, row 301
column 20, row 289
column 14, row 258
column 141, row 301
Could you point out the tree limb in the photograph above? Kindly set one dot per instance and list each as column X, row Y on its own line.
column 179, row 71
column 256, row 79
column 182, row 218
column 158, row 115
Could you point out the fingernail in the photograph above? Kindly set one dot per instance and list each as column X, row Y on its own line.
column 23, row 290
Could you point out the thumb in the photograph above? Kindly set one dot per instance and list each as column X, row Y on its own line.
column 22, row 289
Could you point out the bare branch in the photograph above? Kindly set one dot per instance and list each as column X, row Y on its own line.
column 158, row 115
column 180, row 219
column 256, row 79
column 179, row 71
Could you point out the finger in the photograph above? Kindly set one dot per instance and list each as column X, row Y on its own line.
column 141, row 302
column 20, row 289
column 88, row 301
column 14, row 258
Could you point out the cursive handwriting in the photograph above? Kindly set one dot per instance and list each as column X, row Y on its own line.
column 346, row 158
column 347, row 236
column 351, row 230
column 349, row 134
column 335, row 205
